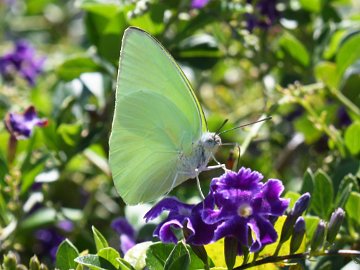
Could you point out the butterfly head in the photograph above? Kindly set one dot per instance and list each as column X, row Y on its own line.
column 211, row 141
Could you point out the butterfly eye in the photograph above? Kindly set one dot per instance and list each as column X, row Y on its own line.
column 209, row 141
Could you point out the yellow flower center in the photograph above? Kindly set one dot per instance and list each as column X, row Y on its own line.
column 244, row 210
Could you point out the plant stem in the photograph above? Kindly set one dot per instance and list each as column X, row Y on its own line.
column 274, row 259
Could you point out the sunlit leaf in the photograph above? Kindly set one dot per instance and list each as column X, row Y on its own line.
column 95, row 262
column 65, row 255
column 348, row 53
column 352, row 206
column 323, row 195
column 100, row 240
column 352, row 138
column 110, row 254
column 295, row 49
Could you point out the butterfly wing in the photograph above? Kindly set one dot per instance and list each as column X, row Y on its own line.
column 157, row 117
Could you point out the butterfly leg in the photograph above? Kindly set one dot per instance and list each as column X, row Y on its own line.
column 220, row 165
column 198, row 184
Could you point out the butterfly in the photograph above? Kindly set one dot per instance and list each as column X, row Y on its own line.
column 159, row 135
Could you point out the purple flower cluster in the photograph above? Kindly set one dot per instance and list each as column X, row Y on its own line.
column 127, row 233
column 238, row 205
column 21, row 125
column 21, row 61
column 49, row 239
column 199, row 3
column 265, row 14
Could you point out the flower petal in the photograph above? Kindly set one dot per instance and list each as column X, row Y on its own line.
column 236, row 227
column 171, row 204
column 165, row 232
column 123, row 227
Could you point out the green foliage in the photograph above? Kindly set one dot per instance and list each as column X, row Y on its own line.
column 66, row 255
column 100, row 240
column 323, row 195
column 303, row 69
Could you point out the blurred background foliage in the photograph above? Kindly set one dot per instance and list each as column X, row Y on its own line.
column 297, row 61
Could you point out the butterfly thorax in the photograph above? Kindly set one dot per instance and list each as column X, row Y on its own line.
column 202, row 151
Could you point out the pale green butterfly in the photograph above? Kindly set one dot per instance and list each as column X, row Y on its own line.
column 159, row 135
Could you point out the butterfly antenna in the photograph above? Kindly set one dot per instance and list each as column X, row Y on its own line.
column 222, row 125
column 248, row 124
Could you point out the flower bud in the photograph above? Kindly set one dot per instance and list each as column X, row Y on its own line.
column 43, row 267
column 337, row 217
column 34, row 263
column 298, row 235
column 230, row 250
column 287, row 228
column 301, row 204
column 10, row 261
column 319, row 236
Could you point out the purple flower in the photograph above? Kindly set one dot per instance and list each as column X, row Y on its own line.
column 22, row 61
column 264, row 16
column 244, row 208
column 301, row 204
column 337, row 218
column 343, row 118
column 298, row 234
column 199, row 3
column 21, row 125
column 126, row 232
column 49, row 239
column 186, row 217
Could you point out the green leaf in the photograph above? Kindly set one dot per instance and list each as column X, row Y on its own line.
column 152, row 20
column 100, row 240
column 308, row 182
column 70, row 133
column 327, row 73
column 312, row 5
column 95, row 262
column 124, row 265
column 72, row 68
column 348, row 184
column 65, row 255
column 345, row 167
column 293, row 196
column 110, row 254
column 3, row 168
column 294, row 48
column 200, row 51
column 352, row 138
column 349, row 84
column 157, row 255
column 169, row 256
column 105, row 23
column 334, row 44
column 28, row 177
column 323, row 195
column 39, row 218
column 352, row 206
column 137, row 254
column 311, row 224
column 348, row 53
column 306, row 127
column 179, row 258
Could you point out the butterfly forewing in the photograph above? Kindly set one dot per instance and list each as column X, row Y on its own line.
column 157, row 116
